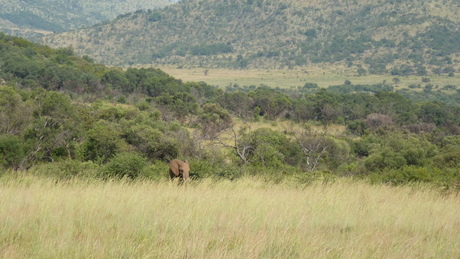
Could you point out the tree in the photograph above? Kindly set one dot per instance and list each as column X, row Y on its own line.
column 325, row 106
column 117, row 80
column 180, row 104
column 269, row 148
column 395, row 150
column 103, row 142
column 361, row 71
column 14, row 113
column 11, row 151
column 214, row 119
column 21, row 66
column 240, row 142
column 271, row 103
column 449, row 152
column 376, row 120
column 55, row 127
column 162, row 84
column 203, row 92
column 394, row 105
column 318, row 148
column 238, row 103
column 303, row 109
column 126, row 164
column 145, row 139
column 433, row 112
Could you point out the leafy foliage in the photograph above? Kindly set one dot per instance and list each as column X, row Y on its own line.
column 11, row 151
column 129, row 123
column 126, row 165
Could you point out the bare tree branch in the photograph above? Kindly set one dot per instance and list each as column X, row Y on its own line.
column 242, row 148
column 313, row 145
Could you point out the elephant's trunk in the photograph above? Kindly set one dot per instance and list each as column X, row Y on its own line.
column 186, row 175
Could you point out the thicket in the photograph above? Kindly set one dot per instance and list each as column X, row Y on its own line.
column 65, row 115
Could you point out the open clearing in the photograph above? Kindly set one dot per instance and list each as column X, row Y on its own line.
column 248, row 218
column 294, row 78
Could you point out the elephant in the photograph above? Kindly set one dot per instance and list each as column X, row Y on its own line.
column 179, row 168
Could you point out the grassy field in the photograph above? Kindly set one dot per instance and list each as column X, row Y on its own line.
column 293, row 78
column 42, row 218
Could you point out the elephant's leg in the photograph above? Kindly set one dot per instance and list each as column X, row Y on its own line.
column 172, row 174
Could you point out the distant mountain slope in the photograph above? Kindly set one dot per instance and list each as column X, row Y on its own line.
column 22, row 17
column 375, row 36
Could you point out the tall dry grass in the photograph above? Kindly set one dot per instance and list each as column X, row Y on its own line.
column 40, row 218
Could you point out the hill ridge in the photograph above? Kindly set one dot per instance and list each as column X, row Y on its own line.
column 410, row 37
column 40, row 17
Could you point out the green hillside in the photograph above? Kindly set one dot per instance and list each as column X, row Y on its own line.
column 398, row 37
column 32, row 18
column 67, row 116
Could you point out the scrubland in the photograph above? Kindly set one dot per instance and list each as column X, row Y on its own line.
column 247, row 218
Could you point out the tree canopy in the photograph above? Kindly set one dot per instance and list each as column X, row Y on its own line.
column 57, row 107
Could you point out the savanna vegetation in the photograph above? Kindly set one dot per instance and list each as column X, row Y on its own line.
column 67, row 116
column 245, row 218
column 411, row 37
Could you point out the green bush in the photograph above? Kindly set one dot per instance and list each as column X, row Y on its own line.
column 103, row 142
column 386, row 159
column 408, row 174
column 127, row 164
column 66, row 169
column 448, row 159
column 11, row 151
column 156, row 171
column 216, row 169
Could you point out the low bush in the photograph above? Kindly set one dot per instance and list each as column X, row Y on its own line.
column 67, row 169
column 409, row 174
column 128, row 164
column 155, row 171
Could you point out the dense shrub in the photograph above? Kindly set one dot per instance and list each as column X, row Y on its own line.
column 127, row 164
column 155, row 171
column 408, row 174
column 11, row 151
column 67, row 169
column 103, row 142
column 216, row 169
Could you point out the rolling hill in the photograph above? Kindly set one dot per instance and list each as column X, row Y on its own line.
column 32, row 18
column 371, row 36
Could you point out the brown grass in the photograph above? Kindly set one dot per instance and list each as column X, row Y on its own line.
column 244, row 219
column 324, row 77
